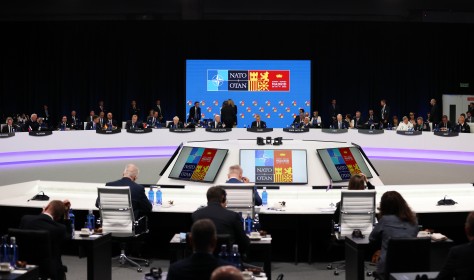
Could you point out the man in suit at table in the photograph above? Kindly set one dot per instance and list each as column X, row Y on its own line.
column 226, row 221
column 55, row 220
column 90, row 118
column 339, row 123
column 94, row 124
column 258, row 123
column 133, row 123
column 384, row 113
column 31, row 124
column 175, row 123
column 235, row 175
column 153, row 121
column 202, row 262
column 64, row 124
column 216, row 123
column 458, row 264
column 358, row 121
column 140, row 203
column 445, row 124
column 159, row 109
column 9, row 127
column 110, row 122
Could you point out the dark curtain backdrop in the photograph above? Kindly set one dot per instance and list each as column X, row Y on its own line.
column 73, row 64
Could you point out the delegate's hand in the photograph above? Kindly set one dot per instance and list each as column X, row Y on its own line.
column 67, row 206
column 245, row 179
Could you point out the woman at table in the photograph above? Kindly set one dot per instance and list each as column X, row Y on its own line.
column 396, row 220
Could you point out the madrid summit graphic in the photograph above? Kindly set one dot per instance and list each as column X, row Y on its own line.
column 248, row 80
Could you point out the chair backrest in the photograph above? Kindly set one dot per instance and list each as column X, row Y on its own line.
column 407, row 255
column 357, row 211
column 34, row 247
column 240, row 197
column 116, row 211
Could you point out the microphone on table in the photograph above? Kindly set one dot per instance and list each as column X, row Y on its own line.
column 39, row 196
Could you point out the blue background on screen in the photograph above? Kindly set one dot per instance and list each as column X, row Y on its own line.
column 276, row 108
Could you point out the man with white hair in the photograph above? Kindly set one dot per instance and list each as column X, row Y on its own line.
column 140, row 203
column 217, row 122
column 405, row 125
column 235, row 175
column 175, row 123
column 32, row 123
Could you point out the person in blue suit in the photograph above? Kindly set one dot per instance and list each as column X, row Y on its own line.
column 235, row 176
column 140, row 203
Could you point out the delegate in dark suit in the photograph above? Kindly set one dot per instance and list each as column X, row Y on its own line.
column 257, row 198
column 215, row 124
column 226, row 222
column 342, row 125
column 175, row 125
column 31, row 125
column 58, row 232
column 133, row 125
column 459, row 264
column 199, row 266
column 227, row 116
column 9, row 129
column 93, row 126
column 463, row 128
column 140, row 203
column 194, row 114
column 259, row 124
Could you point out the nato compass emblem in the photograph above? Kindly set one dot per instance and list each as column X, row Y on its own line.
column 217, row 80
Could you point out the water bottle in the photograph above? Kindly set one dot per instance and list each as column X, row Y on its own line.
column 98, row 223
column 159, row 196
column 264, row 196
column 256, row 223
column 151, row 196
column 389, row 127
column 90, row 220
column 223, row 254
column 72, row 218
column 248, row 223
column 13, row 256
column 4, row 257
column 235, row 256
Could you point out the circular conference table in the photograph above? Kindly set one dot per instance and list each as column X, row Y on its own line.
column 70, row 145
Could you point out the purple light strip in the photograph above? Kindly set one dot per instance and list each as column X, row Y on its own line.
column 94, row 154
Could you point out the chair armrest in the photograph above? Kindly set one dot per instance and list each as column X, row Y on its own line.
column 141, row 226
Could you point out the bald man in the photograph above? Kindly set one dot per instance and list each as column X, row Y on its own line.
column 227, row 272
column 140, row 203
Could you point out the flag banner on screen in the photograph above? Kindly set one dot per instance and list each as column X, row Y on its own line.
column 339, row 163
column 283, row 166
column 191, row 163
column 203, row 165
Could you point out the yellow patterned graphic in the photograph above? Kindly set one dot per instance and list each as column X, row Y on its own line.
column 200, row 172
column 259, row 81
column 283, row 174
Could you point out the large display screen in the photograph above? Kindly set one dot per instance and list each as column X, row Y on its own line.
column 341, row 163
column 274, row 89
column 198, row 164
column 274, row 166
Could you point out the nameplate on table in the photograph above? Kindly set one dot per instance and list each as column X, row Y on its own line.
column 113, row 131
column 334, row 130
column 409, row 132
column 258, row 129
column 223, row 129
column 139, row 130
column 6, row 135
column 40, row 133
column 446, row 133
column 371, row 131
column 296, row 129
column 182, row 130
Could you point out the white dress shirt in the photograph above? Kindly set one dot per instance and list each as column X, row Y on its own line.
column 405, row 126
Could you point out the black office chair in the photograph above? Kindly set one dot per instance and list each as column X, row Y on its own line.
column 407, row 255
column 34, row 247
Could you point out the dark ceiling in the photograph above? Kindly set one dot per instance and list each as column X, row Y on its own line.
column 327, row 10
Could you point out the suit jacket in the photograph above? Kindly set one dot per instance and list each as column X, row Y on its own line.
column 257, row 198
column 213, row 125
column 435, row 114
column 344, row 124
column 159, row 110
column 137, row 124
column 134, row 111
column 297, row 120
column 140, row 203
column 107, row 122
column 385, row 113
column 465, row 128
column 75, row 122
column 424, row 127
column 34, row 126
column 90, row 126
column 192, row 111
column 227, row 116
column 390, row 226
column 5, row 129
column 153, row 122
column 358, row 123
column 459, row 263
column 262, row 124
column 59, row 232
column 63, row 126
column 333, row 111
column 172, row 125
column 373, row 120
column 89, row 119
column 198, row 266
column 448, row 125
column 226, row 222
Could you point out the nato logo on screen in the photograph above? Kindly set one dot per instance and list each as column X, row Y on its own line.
column 217, row 80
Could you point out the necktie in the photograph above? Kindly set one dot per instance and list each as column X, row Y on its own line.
column 153, row 120
column 10, row 128
column 339, row 125
column 258, row 124
column 93, row 126
column 216, row 124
